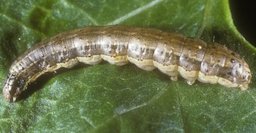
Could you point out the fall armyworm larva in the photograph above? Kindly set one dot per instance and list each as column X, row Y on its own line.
column 147, row 48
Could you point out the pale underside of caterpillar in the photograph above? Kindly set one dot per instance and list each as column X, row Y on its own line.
column 147, row 48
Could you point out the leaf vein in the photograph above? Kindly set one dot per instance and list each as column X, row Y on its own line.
column 65, row 2
column 135, row 12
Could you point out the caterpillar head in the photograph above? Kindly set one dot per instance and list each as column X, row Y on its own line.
column 242, row 74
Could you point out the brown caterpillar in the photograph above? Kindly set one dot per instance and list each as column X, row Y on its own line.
column 146, row 48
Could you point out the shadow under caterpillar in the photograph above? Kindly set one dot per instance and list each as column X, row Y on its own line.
column 147, row 48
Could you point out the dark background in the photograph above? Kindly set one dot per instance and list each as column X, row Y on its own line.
column 244, row 15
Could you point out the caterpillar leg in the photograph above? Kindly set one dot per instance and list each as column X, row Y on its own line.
column 191, row 82
column 174, row 78
column 190, row 76
column 116, row 60
column 170, row 70
column 145, row 64
column 91, row 60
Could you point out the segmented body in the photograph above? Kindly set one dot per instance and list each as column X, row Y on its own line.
column 171, row 53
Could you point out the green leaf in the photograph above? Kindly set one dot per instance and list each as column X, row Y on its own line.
column 108, row 98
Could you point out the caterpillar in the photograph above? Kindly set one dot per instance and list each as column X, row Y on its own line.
column 173, row 54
